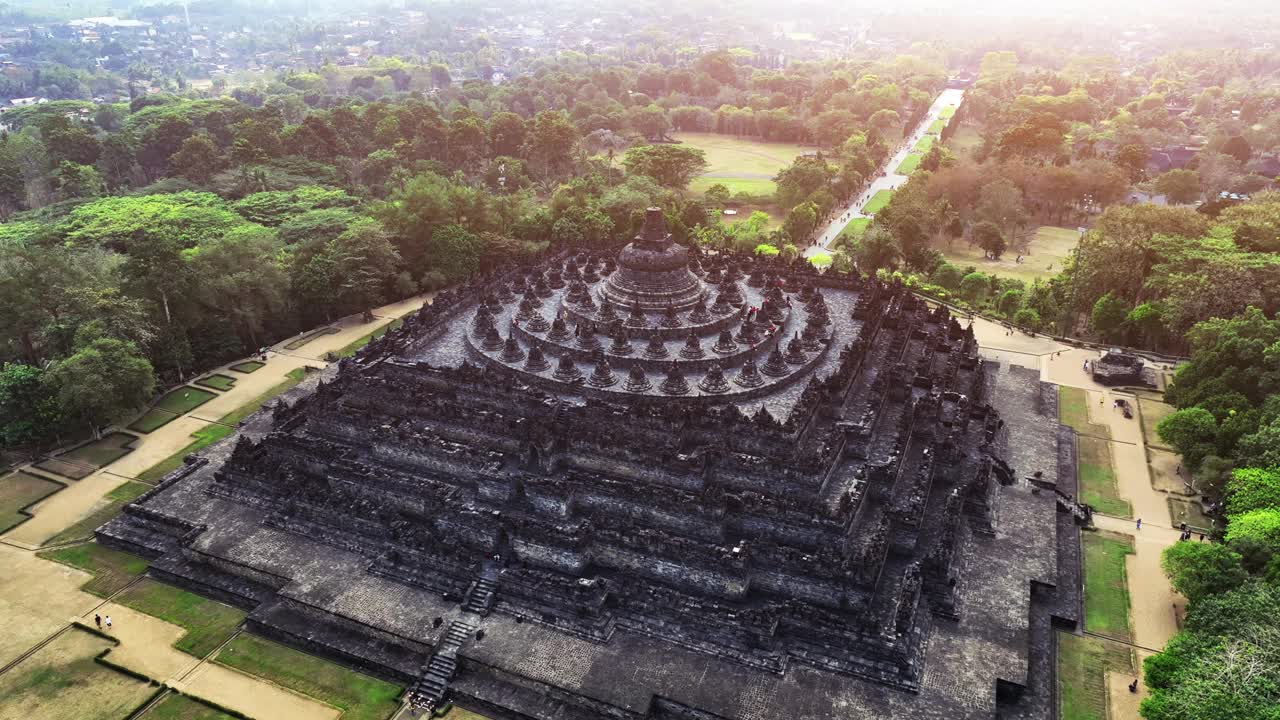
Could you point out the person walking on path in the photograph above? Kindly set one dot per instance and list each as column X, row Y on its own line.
column 108, row 621
column 1139, row 527
column 97, row 620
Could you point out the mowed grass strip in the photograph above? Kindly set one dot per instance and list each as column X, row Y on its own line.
column 308, row 337
column 19, row 491
column 1151, row 412
column 213, row 432
column 217, row 381
column 100, row 452
column 935, row 128
column 1098, row 478
column 924, row 143
column 1106, row 592
column 208, row 623
column 1083, row 663
column 109, row 507
column 360, row 696
column 248, row 366
column 947, row 112
column 1073, row 411
column 180, row 707
column 877, row 202
column 184, row 399
column 111, row 569
column 153, row 420
column 909, row 163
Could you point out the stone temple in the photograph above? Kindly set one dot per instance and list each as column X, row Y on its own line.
column 656, row 485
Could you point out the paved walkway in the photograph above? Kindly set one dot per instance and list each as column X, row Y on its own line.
column 82, row 497
column 890, row 180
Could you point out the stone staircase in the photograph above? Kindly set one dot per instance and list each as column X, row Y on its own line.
column 429, row 690
column 480, row 598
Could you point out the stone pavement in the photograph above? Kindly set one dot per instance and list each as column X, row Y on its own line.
column 890, row 180
column 81, row 497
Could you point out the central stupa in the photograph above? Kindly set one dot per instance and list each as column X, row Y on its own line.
column 653, row 271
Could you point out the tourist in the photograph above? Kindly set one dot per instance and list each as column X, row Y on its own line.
column 1139, row 523
column 108, row 621
column 97, row 620
column 1133, row 686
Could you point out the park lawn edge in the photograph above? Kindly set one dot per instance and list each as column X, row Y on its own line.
column 1106, row 587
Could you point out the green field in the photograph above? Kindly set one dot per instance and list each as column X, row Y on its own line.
column 103, row 451
column 185, row 399
column 360, row 696
column 61, row 681
column 947, row 112
column 1083, row 663
column 113, row 503
column 304, row 339
column 740, row 164
column 247, row 366
column 909, row 163
column 217, row 381
column 1098, row 478
column 111, row 569
column 936, row 126
column 152, row 420
column 181, row 707
column 877, row 202
column 1106, row 592
column 21, row 490
column 1047, row 250
column 1152, row 411
column 208, row 623
column 924, row 143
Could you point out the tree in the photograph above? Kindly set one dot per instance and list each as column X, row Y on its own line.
column 1179, row 186
column 242, row 280
column 1261, row 447
column 1260, row 527
column 197, row 159
column 1252, row 489
column 1198, row 570
column 672, row 166
column 365, row 261
column 1108, row 316
column 801, row 221
column 877, row 250
column 28, row 410
column 650, row 121
column 102, row 382
column 1238, row 148
column 551, row 140
column 1133, row 160
column 988, row 237
column 1190, row 431
column 975, row 286
column 948, row 276
column 1027, row 318
column 78, row 181
column 507, row 133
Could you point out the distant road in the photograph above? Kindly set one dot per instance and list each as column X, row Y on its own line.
column 890, row 180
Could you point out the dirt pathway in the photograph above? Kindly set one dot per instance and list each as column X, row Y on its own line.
column 252, row 696
column 36, row 599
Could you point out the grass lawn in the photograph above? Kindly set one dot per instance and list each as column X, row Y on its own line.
column 752, row 186
column 304, row 339
column 877, row 202
column 1073, row 411
column 217, row 381
column 111, row 569
column 909, row 163
column 181, row 707
column 935, row 128
column 208, row 623
column 213, row 432
column 1106, row 594
column 965, row 140
column 1098, row 479
column 247, row 366
column 100, row 452
column 61, row 681
column 152, row 420
column 924, row 143
column 111, row 505
column 360, row 696
column 740, row 164
column 1083, row 663
column 185, row 399
column 1047, row 250
column 19, row 491
column 1151, row 412
column 946, row 112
